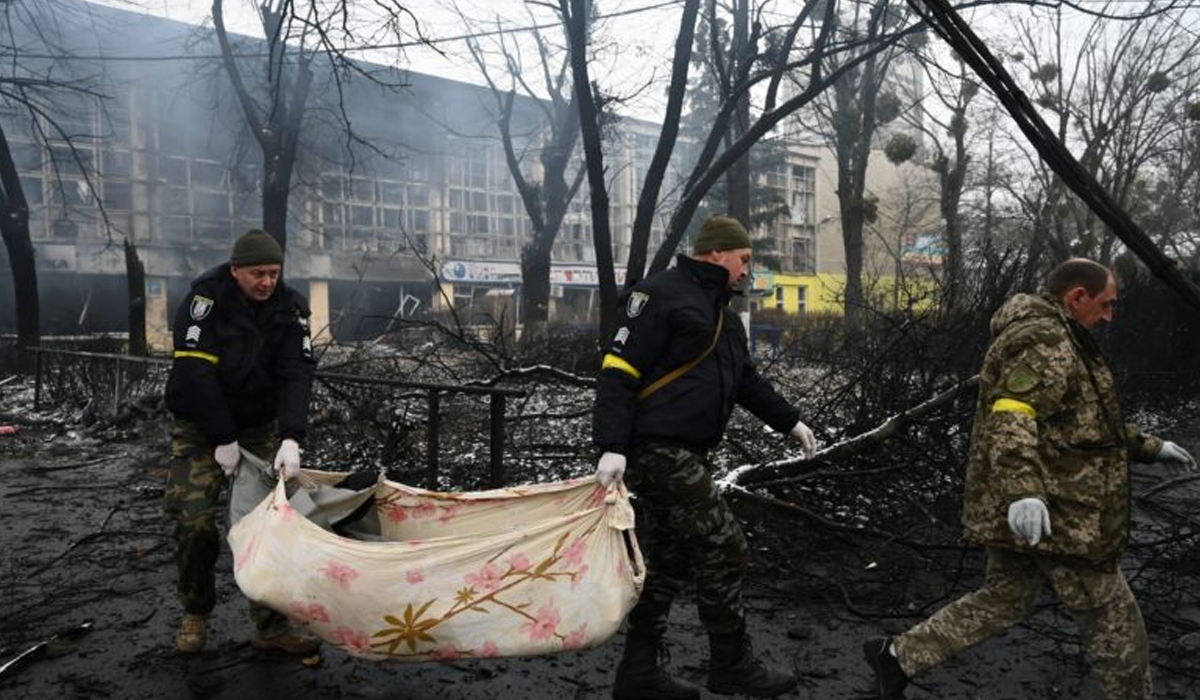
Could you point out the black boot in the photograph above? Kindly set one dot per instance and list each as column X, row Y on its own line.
column 639, row 677
column 734, row 669
column 890, row 679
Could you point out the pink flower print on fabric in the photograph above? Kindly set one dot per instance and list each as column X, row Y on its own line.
column 519, row 562
column 414, row 577
column 446, row 652
column 303, row 613
column 339, row 573
column 574, row 553
column 577, row 577
column 351, row 640
column 576, row 639
column 544, row 626
column 448, row 513
column 488, row 579
column 425, row 510
column 287, row 512
column 396, row 514
column 489, row 650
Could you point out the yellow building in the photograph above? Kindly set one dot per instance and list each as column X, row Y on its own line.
column 795, row 293
column 822, row 292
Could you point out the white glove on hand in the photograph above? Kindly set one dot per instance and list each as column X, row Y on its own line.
column 1175, row 455
column 611, row 468
column 801, row 432
column 287, row 459
column 228, row 456
column 1029, row 520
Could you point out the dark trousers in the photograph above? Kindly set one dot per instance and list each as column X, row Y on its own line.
column 688, row 535
column 194, row 481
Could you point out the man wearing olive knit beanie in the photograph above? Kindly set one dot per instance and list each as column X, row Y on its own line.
column 669, row 379
column 241, row 380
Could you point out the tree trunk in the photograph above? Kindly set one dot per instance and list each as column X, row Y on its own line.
column 135, row 276
column 14, row 227
column 574, row 13
column 655, row 174
column 535, row 288
column 852, row 243
column 275, row 203
column 276, row 125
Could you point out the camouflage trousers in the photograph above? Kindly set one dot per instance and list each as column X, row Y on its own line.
column 194, row 482
column 688, row 535
column 1097, row 596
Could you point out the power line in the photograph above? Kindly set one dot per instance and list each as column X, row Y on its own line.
column 351, row 49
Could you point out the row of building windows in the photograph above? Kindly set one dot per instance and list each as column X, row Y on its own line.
column 474, row 211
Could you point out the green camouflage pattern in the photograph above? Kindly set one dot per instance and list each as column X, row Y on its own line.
column 1073, row 455
column 688, row 536
column 1097, row 596
column 194, row 483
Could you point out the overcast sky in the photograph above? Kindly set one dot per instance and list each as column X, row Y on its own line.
column 634, row 43
column 645, row 30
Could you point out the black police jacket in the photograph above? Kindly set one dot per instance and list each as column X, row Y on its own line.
column 664, row 322
column 240, row 364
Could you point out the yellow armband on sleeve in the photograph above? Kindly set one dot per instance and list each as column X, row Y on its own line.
column 1012, row 405
column 206, row 356
column 619, row 363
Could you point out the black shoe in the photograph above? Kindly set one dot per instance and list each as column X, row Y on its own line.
column 890, row 679
column 640, row 677
column 733, row 668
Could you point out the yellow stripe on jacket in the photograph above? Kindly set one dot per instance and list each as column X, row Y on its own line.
column 206, row 356
column 1012, row 405
column 619, row 363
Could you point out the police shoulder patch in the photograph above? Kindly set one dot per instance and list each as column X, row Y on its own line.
column 1021, row 379
column 637, row 302
column 200, row 307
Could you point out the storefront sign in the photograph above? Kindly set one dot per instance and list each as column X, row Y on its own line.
column 497, row 272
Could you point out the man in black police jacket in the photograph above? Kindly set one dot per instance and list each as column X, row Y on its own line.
column 670, row 378
column 241, row 379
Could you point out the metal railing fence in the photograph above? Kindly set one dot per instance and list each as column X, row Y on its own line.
column 125, row 374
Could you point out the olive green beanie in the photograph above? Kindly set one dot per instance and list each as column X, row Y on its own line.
column 721, row 233
column 256, row 247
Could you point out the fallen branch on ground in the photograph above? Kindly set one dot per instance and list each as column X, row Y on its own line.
column 33, row 652
column 752, row 473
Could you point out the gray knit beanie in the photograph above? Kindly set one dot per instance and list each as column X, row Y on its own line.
column 256, row 247
column 721, row 233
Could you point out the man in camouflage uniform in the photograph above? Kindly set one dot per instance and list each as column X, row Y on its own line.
column 241, row 379
column 1047, row 491
column 670, row 378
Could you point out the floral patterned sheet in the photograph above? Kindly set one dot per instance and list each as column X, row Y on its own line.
column 511, row 572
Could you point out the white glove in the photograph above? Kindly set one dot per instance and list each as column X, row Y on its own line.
column 1175, row 455
column 287, row 459
column 801, row 432
column 611, row 468
column 228, row 456
column 1029, row 520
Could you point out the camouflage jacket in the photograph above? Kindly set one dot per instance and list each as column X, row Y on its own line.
column 1048, row 426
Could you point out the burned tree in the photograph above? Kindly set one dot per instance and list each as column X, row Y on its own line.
column 14, row 225
column 1124, row 101
column 548, row 188
column 848, row 117
column 803, row 63
column 953, row 90
column 36, row 77
column 276, row 122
